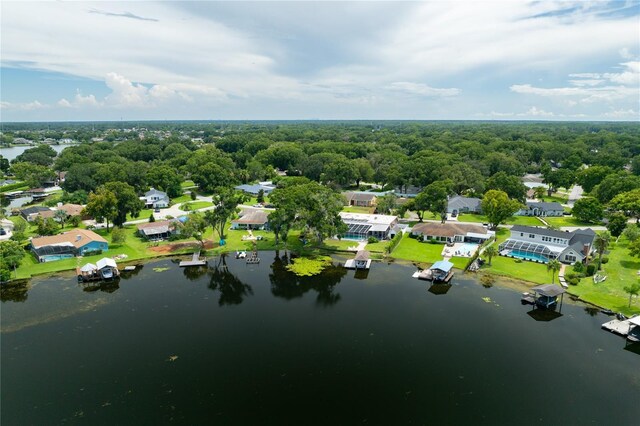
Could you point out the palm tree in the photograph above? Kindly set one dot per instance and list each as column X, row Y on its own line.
column 553, row 266
column 633, row 290
column 601, row 243
column 490, row 252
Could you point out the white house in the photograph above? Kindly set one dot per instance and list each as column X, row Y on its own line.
column 452, row 232
column 535, row 208
column 542, row 244
column 362, row 226
column 156, row 199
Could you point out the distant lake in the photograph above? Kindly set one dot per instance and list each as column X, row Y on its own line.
column 253, row 344
column 12, row 152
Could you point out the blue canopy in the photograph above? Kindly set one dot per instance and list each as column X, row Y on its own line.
column 442, row 265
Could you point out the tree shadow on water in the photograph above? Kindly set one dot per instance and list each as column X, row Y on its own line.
column 287, row 285
column 232, row 290
column 14, row 292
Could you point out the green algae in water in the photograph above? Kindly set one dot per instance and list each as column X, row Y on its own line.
column 160, row 269
column 309, row 266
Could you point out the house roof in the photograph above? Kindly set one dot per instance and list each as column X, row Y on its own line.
column 360, row 196
column 154, row 228
column 156, row 192
column 369, row 219
column 362, row 255
column 255, row 188
column 458, row 202
column 71, row 209
column 77, row 238
column 34, row 209
column 448, row 229
column 545, row 205
column 549, row 290
column 106, row 261
column 442, row 265
column 541, row 231
column 253, row 217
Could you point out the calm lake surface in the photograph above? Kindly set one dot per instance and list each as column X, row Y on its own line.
column 253, row 344
column 12, row 152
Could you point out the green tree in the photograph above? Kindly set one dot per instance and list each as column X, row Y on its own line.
column 553, row 266
column 127, row 201
column 616, row 224
column 19, row 228
column 386, row 203
column 538, row 192
column 561, row 178
column 601, row 243
column 615, row 184
column 11, row 255
column 511, row 185
column 628, row 202
column 633, row 290
column 588, row 209
column 165, row 178
column 41, row 155
column 102, row 205
column 32, row 174
column 118, row 235
column 195, row 227
column 211, row 169
column 280, row 222
column 631, row 233
column 590, row 177
column 634, row 248
column 364, row 171
column 436, row 195
column 46, row 226
column 497, row 206
column 490, row 252
column 260, row 197
column 226, row 204
column 62, row 217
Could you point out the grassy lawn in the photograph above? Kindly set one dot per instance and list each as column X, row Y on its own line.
column 357, row 209
column 254, row 200
column 415, row 251
column 195, row 205
column 181, row 199
column 188, row 184
column 144, row 214
column 567, row 221
column 621, row 271
column 524, row 270
column 514, row 220
column 555, row 197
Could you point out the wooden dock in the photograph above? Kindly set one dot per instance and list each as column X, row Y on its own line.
column 195, row 261
column 351, row 264
column 618, row 327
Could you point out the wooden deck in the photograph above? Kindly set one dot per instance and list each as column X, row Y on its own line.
column 195, row 261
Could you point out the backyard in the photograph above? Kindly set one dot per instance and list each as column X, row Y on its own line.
column 416, row 251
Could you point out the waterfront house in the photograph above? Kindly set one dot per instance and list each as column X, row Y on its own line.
column 543, row 209
column 158, row 230
column 32, row 213
column 361, row 199
column 451, row 232
column 459, row 204
column 154, row 199
column 71, row 209
column 253, row 189
column 542, row 244
column 251, row 219
column 361, row 226
column 68, row 244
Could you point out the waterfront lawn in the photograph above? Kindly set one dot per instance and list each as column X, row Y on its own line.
column 195, row 205
column 524, row 270
column 567, row 221
column 621, row 271
column 514, row 220
column 415, row 251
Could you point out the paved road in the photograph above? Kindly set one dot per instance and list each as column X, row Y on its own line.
column 575, row 194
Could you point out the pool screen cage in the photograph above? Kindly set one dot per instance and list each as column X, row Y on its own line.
column 525, row 248
column 357, row 231
column 55, row 249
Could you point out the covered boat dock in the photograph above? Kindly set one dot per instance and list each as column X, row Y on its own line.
column 546, row 295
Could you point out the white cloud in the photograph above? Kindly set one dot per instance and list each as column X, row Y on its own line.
column 27, row 106
column 536, row 112
column 621, row 114
column 422, row 89
column 64, row 103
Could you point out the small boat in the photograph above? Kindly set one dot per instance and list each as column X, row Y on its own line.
column 607, row 311
column 241, row 254
column 620, row 316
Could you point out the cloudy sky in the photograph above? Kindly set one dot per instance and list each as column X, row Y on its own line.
column 472, row 60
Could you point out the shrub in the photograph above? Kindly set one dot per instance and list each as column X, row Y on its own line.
column 579, row 268
column 118, row 235
column 372, row 240
column 572, row 280
column 591, row 269
column 605, row 259
column 193, row 195
column 152, row 218
column 92, row 252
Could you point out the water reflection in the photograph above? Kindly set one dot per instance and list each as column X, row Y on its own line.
column 544, row 314
column 591, row 311
column 105, row 286
column 14, row 291
column 439, row 289
column 232, row 289
column 193, row 273
column 288, row 285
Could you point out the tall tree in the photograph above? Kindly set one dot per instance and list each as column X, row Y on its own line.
column 511, row 185
column 11, row 255
column 165, row 178
column 102, row 205
column 127, row 201
column 553, row 266
column 616, row 224
column 226, row 203
column 498, row 207
column 633, row 290
column 628, row 202
column 601, row 243
column 386, row 203
column 490, row 252
column 588, row 209
column 195, row 227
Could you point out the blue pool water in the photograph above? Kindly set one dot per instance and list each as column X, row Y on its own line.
column 528, row 256
column 468, row 247
column 54, row 257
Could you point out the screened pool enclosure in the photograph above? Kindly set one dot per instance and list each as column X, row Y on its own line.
column 525, row 250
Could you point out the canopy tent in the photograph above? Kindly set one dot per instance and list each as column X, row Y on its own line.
column 105, row 261
column 89, row 267
column 442, row 265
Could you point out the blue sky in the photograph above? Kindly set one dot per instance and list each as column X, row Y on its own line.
column 320, row 60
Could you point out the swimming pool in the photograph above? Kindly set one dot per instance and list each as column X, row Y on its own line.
column 467, row 248
column 534, row 257
column 54, row 257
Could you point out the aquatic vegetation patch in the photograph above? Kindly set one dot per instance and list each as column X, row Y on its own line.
column 309, row 266
column 160, row 269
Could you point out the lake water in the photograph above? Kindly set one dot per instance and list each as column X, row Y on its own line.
column 12, row 152
column 253, row 344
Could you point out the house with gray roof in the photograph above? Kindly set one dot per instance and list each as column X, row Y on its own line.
column 253, row 189
column 361, row 199
column 459, row 204
column 543, row 209
column 542, row 244
column 156, row 199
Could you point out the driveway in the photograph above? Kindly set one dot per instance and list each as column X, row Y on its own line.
column 575, row 194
